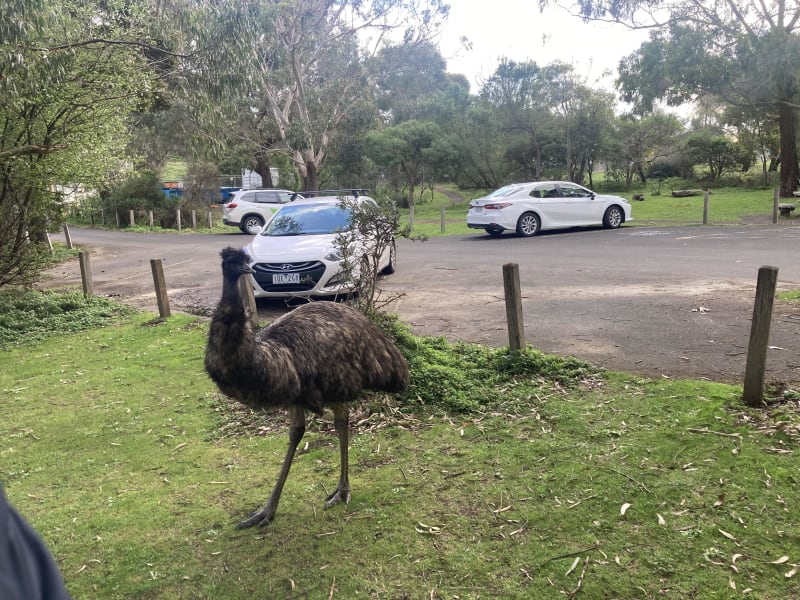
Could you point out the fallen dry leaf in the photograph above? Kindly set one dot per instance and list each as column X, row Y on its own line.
column 574, row 564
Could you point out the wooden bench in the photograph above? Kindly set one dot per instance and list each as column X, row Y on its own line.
column 786, row 209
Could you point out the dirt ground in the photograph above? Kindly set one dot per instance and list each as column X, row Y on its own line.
column 682, row 324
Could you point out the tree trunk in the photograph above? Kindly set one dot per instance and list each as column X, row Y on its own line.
column 789, row 169
column 262, row 168
column 310, row 176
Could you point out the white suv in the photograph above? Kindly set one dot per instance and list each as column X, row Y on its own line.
column 250, row 210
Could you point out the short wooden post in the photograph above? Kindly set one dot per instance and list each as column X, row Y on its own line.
column 210, row 220
column 246, row 290
column 161, row 287
column 442, row 219
column 411, row 216
column 178, row 218
column 67, row 238
column 116, row 218
column 49, row 241
column 194, row 219
column 150, row 218
column 102, row 216
column 516, row 325
column 706, row 195
column 759, row 337
column 131, row 217
column 86, row 274
column 776, row 200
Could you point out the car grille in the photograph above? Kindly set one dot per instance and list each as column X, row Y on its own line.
column 310, row 274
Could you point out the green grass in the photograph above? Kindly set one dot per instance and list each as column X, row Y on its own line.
column 496, row 477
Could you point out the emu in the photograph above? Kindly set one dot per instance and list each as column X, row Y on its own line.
column 321, row 354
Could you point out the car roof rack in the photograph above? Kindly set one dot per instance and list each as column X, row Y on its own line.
column 355, row 192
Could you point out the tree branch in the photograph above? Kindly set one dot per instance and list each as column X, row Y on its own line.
column 31, row 149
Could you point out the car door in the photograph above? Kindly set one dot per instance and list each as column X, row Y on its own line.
column 547, row 200
column 582, row 208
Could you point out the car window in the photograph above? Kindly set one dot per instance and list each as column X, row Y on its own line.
column 574, row 191
column 304, row 219
column 504, row 191
column 545, row 191
column 266, row 197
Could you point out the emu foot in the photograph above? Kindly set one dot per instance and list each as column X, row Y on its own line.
column 259, row 517
column 342, row 494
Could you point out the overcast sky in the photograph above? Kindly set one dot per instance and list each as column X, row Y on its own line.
column 517, row 30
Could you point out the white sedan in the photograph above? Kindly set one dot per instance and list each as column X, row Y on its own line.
column 528, row 208
column 299, row 252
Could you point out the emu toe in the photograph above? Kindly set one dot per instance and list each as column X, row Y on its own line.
column 259, row 517
column 340, row 495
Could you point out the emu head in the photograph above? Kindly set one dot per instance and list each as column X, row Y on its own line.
column 234, row 263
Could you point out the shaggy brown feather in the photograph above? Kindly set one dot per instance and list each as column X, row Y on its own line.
column 320, row 354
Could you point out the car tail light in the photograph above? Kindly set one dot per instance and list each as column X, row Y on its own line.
column 496, row 205
column 231, row 205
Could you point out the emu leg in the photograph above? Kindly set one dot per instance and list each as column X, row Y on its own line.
column 341, row 422
column 297, row 427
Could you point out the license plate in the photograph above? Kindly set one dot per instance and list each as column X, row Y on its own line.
column 477, row 210
column 285, row 278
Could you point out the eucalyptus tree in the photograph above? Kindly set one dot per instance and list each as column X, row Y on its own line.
column 72, row 70
column 518, row 91
column 744, row 51
column 299, row 67
column 637, row 142
column 584, row 117
column 413, row 149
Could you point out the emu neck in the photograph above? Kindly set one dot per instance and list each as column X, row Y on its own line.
column 231, row 318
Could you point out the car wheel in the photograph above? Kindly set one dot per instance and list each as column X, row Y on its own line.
column 613, row 217
column 392, row 266
column 494, row 231
column 252, row 224
column 528, row 224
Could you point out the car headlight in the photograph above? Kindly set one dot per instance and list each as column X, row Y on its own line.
column 334, row 256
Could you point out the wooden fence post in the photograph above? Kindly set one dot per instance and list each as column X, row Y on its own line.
column 150, row 218
column 68, row 239
column 442, row 219
column 706, row 195
column 131, row 214
column 759, row 337
column 161, row 287
column 178, row 218
column 516, row 325
column 194, row 219
column 210, row 221
column 411, row 217
column 776, row 200
column 86, row 274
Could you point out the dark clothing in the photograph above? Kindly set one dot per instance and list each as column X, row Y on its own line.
column 27, row 569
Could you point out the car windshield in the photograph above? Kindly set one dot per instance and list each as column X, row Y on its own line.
column 308, row 219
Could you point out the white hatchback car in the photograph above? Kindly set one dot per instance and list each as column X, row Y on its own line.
column 250, row 210
column 528, row 208
column 297, row 253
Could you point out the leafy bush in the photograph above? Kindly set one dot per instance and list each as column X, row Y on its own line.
column 141, row 192
column 443, row 374
column 28, row 316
